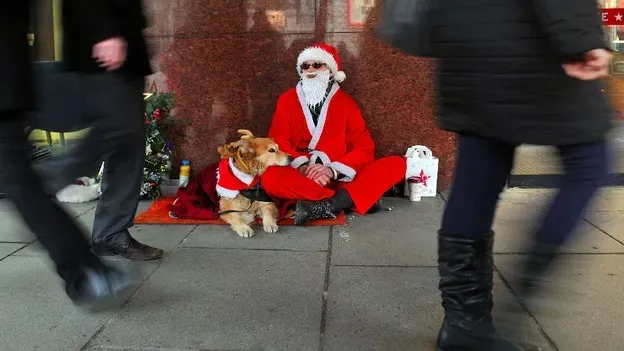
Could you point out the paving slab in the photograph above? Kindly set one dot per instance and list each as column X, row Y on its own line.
column 611, row 222
column 166, row 237
column 515, row 224
column 404, row 236
column 36, row 314
column 8, row 248
column 13, row 229
column 583, row 301
column 79, row 209
column 287, row 238
column 395, row 308
column 608, row 199
column 213, row 299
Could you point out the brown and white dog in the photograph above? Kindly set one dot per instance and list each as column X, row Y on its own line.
column 242, row 163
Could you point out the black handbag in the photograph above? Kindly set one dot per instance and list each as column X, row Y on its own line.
column 405, row 25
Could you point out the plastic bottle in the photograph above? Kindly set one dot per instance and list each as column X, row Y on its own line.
column 185, row 172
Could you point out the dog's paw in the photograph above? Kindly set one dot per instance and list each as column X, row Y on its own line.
column 245, row 232
column 270, row 227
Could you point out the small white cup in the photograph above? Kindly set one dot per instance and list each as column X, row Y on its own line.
column 414, row 191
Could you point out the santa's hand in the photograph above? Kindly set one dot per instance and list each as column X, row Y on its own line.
column 317, row 170
column 303, row 170
column 323, row 180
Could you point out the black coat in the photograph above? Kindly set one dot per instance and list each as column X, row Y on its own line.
column 500, row 73
column 15, row 92
column 86, row 23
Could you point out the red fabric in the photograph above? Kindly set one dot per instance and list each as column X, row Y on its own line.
column 332, row 51
column 368, row 186
column 343, row 136
column 158, row 213
column 199, row 199
column 374, row 180
column 288, row 184
column 230, row 180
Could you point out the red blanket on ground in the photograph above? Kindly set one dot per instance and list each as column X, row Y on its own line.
column 199, row 199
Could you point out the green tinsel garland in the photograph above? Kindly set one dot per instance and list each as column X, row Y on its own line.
column 158, row 150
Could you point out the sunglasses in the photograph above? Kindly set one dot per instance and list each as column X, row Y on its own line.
column 316, row 65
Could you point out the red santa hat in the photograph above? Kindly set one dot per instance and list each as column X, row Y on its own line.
column 323, row 53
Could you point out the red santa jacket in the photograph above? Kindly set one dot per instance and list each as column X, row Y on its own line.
column 340, row 139
column 231, row 180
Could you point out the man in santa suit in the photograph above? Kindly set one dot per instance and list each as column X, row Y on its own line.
column 321, row 126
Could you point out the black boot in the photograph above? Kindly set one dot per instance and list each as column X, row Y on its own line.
column 324, row 209
column 466, row 273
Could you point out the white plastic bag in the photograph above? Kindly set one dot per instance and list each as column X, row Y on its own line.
column 421, row 163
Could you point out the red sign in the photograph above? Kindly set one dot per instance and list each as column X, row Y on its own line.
column 612, row 17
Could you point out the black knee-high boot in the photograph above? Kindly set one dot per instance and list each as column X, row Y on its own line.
column 466, row 271
column 324, row 209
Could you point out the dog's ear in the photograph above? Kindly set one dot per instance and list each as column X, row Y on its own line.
column 248, row 153
column 245, row 148
column 242, row 147
column 227, row 150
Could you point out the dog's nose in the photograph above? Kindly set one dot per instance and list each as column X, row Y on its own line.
column 290, row 159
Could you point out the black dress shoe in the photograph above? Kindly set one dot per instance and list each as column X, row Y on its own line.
column 99, row 288
column 132, row 250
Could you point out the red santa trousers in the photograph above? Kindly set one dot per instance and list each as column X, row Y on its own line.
column 368, row 186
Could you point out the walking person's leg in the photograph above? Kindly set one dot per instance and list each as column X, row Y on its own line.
column 87, row 280
column 115, row 103
column 465, row 244
column 586, row 168
column 121, row 187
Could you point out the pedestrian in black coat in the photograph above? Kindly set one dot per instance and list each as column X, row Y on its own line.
column 87, row 280
column 513, row 72
column 103, row 43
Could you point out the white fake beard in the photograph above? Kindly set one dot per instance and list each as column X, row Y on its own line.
column 314, row 89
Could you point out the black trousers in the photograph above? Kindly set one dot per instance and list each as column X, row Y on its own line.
column 60, row 236
column 482, row 169
column 114, row 104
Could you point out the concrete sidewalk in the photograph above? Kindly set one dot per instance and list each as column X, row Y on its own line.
column 370, row 285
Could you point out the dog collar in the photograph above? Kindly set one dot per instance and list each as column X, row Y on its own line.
column 239, row 159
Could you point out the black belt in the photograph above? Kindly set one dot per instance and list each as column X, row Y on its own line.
column 305, row 150
column 257, row 194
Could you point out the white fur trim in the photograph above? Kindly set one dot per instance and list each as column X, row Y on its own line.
column 344, row 169
column 315, row 131
column 242, row 176
column 318, row 54
column 171, row 214
column 296, row 163
column 227, row 193
column 340, row 76
column 316, row 154
column 76, row 194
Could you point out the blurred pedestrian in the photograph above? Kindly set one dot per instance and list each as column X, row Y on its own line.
column 104, row 44
column 88, row 281
column 512, row 72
